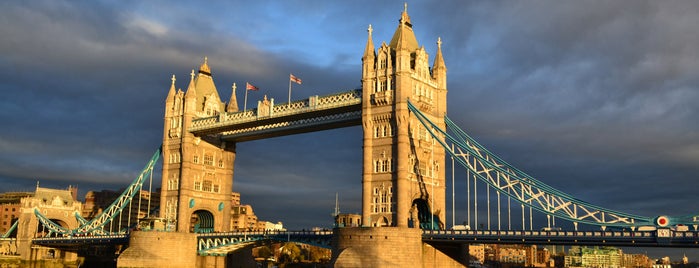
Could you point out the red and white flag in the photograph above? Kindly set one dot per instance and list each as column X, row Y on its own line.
column 248, row 86
column 294, row 79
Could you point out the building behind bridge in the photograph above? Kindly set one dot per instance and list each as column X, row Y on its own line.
column 243, row 218
column 10, row 208
column 604, row 257
column 511, row 255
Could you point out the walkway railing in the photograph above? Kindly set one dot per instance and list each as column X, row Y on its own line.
column 312, row 104
column 661, row 237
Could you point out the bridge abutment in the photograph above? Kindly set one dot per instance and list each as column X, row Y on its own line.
column 160, row 249
column 385, row 247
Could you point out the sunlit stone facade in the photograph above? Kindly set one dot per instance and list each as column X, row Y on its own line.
column 403, row 165
column 197, row 177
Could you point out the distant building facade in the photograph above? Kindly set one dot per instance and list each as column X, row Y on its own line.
column 515, row 255
column 96, row 202
column 243, row 218
column 594, row 257
column 348, row 220
column 10, row 209
column 477, row 252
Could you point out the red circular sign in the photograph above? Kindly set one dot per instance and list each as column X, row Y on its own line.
column 662, row 221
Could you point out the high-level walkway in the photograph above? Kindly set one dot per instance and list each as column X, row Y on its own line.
column 271, row 120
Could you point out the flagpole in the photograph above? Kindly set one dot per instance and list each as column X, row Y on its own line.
column 245, row 104
column 289, row 101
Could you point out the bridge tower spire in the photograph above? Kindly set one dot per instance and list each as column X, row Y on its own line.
column 232, row 106
column 403, row 178
column 197, row 177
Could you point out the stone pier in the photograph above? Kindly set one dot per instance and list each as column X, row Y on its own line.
column 160, row 249
column 385, row 247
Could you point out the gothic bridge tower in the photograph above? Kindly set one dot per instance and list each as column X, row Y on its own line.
column 403, row 177
column 197, row 177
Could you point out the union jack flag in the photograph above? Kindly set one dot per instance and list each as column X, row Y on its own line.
column 248, row 86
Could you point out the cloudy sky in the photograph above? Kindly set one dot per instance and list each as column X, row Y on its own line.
column 597, row 98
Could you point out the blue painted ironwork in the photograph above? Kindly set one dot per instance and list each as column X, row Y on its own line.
column 96, row 225
column 54, row 228
column 428, row 221
column 12, row 229
column 81, row 220
column 220, row 244
column 81, row 241
column 525, row 189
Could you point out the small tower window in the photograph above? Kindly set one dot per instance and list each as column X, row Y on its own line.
column 208, row 160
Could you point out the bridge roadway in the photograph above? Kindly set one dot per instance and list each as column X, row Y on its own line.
column 220, row 244
column 74, row 243
column 660, row 238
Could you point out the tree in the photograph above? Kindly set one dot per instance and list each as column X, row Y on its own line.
column 290, row 252
column 318, row 254
column 264, row 252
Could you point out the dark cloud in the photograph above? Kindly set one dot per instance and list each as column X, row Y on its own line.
column 597, row 99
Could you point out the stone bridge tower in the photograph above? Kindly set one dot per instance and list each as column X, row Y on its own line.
column 197, row 177
column 60, row 206
column 403, row 177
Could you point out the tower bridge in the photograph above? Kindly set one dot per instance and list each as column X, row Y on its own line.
column 407, row 139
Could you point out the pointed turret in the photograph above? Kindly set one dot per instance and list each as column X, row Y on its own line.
column 404, row 37
column 204, row 68
column 369, row 58
column 369, row 50
column 439, row 69
column 233, row 102
column 190, row 97
column 191, row 91
column 171, row 93
column 438, row 59
column 208, row 100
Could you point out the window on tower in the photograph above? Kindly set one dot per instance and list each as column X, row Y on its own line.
column 208, row 186
column 382, row 199
column 208, row 160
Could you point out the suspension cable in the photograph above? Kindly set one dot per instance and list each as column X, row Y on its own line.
column 150, row 192
column 453, row 196
column 498, row 195
column 487, row 199
column 468, row 196
column 475, row 200
column 509, row 216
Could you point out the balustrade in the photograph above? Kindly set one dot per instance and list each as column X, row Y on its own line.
column 313, row 103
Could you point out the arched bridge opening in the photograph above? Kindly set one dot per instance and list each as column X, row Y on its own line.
column 201, row 221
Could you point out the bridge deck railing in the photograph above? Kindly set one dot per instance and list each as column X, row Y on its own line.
column 562, row 233
column 313, row 103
